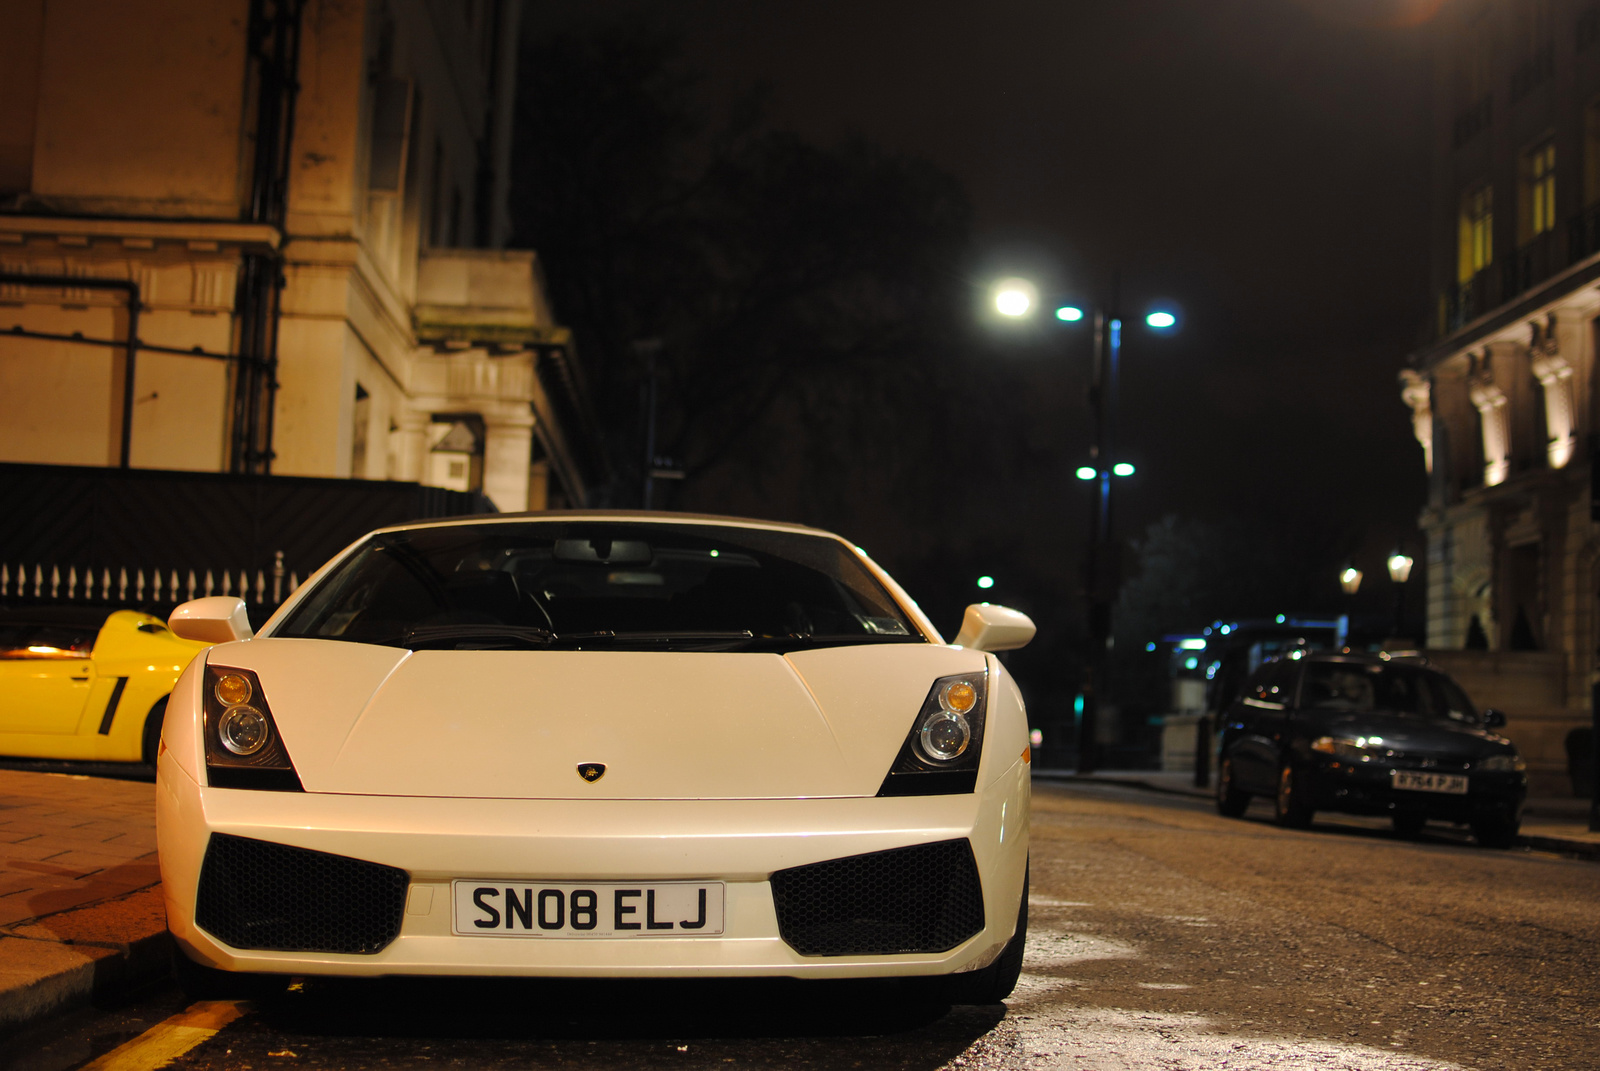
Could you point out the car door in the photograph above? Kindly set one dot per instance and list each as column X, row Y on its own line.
column 46, row 676
column 1263, row 718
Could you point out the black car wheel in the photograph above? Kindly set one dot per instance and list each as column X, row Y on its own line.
column 1231, row 800
column 1289, row 805
column 1498, row 831
column 200, row 982
column 1408, row 823
column 151, row 745
column 995, row 982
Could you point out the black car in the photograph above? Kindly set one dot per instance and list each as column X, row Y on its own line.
column 1369, row 734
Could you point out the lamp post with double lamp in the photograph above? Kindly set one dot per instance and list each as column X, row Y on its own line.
column 1018, row 298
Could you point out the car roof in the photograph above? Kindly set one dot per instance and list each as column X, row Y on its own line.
column 631, row 516
column 71, row 616
column 1361, row 658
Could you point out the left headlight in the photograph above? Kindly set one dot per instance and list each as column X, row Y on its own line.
column 1349, row 748
column 243, row 746
column 941, row 753
column 1510, row 762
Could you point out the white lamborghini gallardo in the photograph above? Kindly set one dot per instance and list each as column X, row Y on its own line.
column 597, row 744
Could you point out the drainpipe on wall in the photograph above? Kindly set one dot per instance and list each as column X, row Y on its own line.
column 274, row 46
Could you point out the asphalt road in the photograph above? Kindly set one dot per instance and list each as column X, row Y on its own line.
column 1163, row 937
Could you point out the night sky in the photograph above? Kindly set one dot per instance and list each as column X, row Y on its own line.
column 1259, row 166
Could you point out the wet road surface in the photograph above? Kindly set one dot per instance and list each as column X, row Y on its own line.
column 1162, row 937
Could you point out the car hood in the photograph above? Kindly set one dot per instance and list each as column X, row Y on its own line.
column 371, row 720
column 1420, row 736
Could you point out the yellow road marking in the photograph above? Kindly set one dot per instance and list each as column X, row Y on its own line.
column 166, row 1041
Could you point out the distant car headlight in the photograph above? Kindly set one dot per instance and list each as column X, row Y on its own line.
column 1349, row 748
column 941, row 753
column 1506, row 763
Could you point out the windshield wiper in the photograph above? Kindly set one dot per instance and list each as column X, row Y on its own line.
column 526, row 634
column 687, row 636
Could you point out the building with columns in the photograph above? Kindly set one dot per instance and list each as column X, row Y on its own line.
column 269, row 236
column 1503, row 399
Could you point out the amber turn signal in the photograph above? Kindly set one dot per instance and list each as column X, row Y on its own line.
column 232, row 690
column 958, row 697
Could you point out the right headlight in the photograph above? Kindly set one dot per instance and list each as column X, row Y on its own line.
column 243, row 747
column 941, row 753
column 1509, row 763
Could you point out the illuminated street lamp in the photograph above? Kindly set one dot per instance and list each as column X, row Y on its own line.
column 1400, row 567
column 1016, row 298
column 1399, row 564
column 1350, row 579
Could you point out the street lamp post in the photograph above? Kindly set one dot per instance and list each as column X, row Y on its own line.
column 1017, row 298
column 1399, row 565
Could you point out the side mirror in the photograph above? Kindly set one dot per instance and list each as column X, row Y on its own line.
column 986, row 627
column 1494, row 719
column 214, row 619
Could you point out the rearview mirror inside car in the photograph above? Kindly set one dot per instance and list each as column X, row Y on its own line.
column 214, row 619
column 604, row 551
column 1493, row 719
column 986, row 627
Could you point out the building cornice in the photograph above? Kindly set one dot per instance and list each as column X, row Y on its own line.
column 1553, row 293
column 197, row 234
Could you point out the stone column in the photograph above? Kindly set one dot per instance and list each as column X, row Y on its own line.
column 1552, row 368
column 1417, row 393
column 410, row 444
column 507, row 452
column 1490, row 402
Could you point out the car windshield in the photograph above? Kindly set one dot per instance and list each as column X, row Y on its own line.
column 1389, row 688
column 601, row 585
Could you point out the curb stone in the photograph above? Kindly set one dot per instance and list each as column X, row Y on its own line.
column 67, row 960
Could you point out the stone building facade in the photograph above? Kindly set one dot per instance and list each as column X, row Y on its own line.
column 269, row 236
column 1503, row 400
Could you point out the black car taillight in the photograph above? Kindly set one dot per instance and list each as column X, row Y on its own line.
column 941, row 753
column 243, row 746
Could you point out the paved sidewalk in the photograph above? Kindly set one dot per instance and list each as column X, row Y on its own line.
column 1548, row 824
column 80, row 897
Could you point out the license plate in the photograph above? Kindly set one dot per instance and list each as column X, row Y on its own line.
column 1416, row 781
column 617, row 909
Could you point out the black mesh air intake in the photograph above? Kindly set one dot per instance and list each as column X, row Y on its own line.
column 259, row 895
column 921, row 899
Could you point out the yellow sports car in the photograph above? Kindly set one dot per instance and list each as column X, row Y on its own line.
column 86, row 683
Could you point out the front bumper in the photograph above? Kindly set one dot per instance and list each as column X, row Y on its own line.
column 738, row 842
column 1365, row 788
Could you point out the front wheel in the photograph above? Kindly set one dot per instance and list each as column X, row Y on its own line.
column 200, row 982
column 1499, row 831
column 995, row 982
column 1290, row 806
column 151, row 744
column 1408, row 823
column 1231, row 800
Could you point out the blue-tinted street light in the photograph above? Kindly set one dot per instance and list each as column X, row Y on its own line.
column 1015, row 299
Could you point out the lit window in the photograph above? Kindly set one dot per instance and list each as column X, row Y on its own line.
column 1477, row 232
column 1539, row 175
